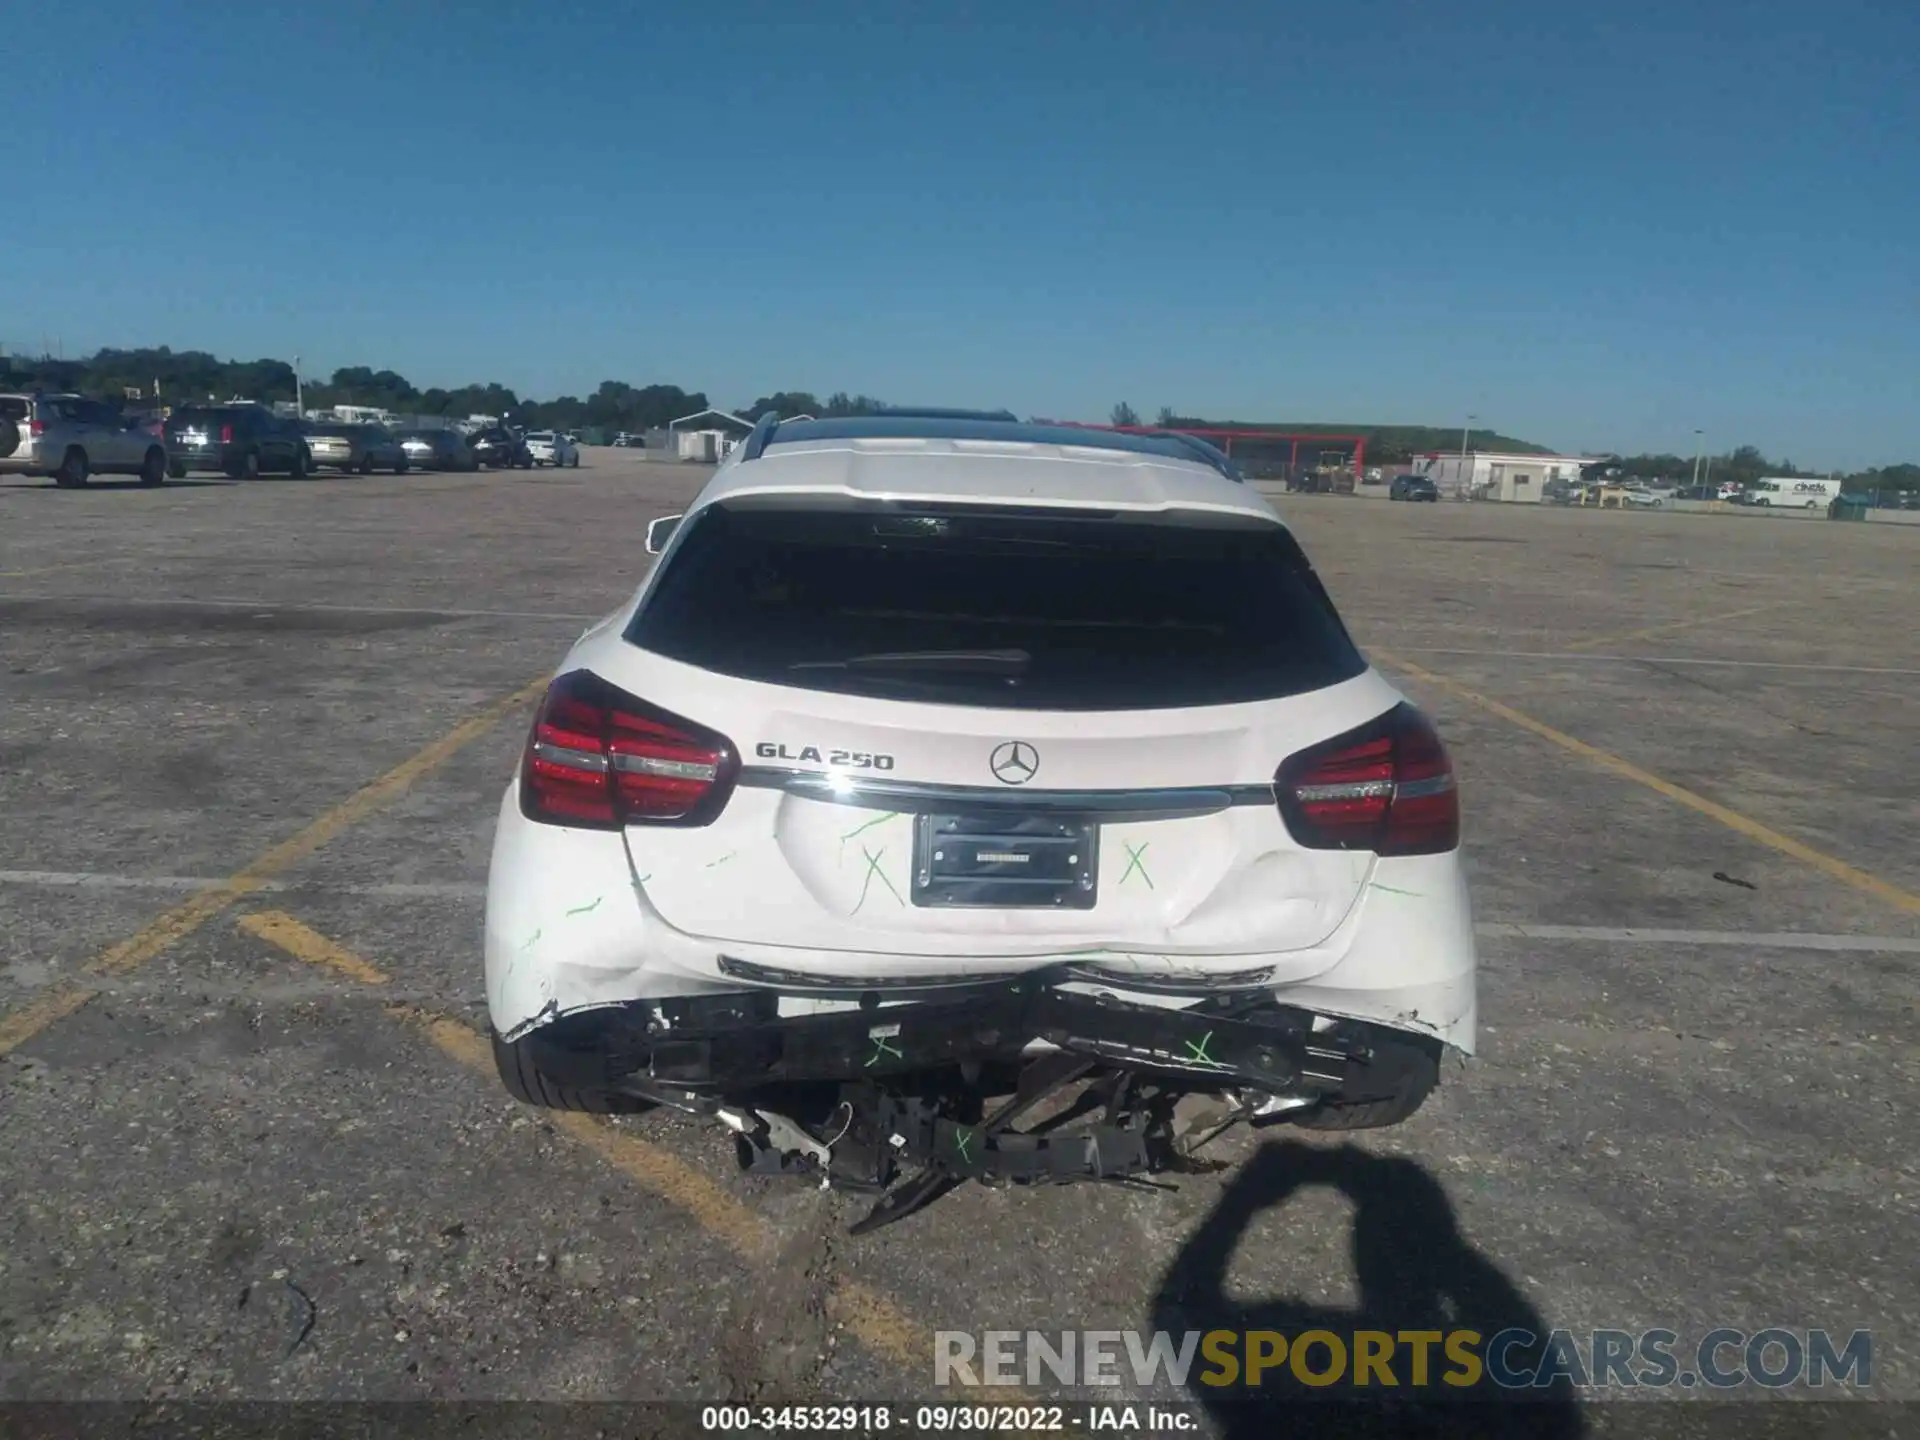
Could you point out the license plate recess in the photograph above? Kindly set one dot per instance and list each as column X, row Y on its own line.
column 1005, row 861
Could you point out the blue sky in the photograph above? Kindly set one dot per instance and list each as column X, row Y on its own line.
column 1590, row 225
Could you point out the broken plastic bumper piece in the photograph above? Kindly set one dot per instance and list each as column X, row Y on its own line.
column 733, row 1042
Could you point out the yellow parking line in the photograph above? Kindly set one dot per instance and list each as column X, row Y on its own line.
column 876, row 1320
column 53, row 569
column 181, row 921
column 280, row 929
column 1594, row 642
column 1732, row 819
column 30, row 1019
column 879, row 1323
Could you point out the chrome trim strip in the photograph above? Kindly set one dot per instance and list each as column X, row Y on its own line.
column 566, row 755
column 1171, row 982
column 668, row 769
column 805, row 982
column 871, row 793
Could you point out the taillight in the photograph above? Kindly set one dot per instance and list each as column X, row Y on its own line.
column 1385, row 787
column 226, row 434
column 36, row 427
column 598, row 759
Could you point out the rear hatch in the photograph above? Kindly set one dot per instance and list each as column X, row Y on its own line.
column 966, row 731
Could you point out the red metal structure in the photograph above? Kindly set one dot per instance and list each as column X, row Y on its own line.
column 1224, row 438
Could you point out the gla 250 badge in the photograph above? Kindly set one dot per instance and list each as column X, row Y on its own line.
column 814, row 755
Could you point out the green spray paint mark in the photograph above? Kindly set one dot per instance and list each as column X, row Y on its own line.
column 1391, row 891
column 873, row 870
column 1197, row 1051
column 881, row 1048
column 723, row 859
column 643, row 879
column 963, row 1142
column 532, row 940
column 861, row 830
column 1136, row 860
column 587, row 909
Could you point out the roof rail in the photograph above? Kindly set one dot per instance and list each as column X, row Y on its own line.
column 933, row 412
column 1215, row 457
column 763, row 429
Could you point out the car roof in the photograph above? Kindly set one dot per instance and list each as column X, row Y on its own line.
column 977, row 461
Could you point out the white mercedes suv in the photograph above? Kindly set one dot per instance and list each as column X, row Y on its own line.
column 945, row 767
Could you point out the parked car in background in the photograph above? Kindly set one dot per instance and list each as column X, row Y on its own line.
column 499, row 447
column 438, row 450
column 548, row 447
column 360, row 448
column 624, row 441
column 72, row 438
column 1413, row 487
column 240, row 440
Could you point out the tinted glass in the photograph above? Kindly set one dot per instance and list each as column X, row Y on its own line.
column 1108, row 613
column 13, row 407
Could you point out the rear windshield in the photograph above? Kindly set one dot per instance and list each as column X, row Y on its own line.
column 1017, row 610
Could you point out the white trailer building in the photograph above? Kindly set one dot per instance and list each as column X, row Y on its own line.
column 1489, row 475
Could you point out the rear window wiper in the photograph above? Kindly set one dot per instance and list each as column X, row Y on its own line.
column 995, row 662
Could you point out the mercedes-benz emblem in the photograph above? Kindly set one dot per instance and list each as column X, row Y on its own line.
column 1014, row 763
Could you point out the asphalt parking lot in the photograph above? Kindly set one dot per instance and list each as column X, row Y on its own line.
column 253, row 739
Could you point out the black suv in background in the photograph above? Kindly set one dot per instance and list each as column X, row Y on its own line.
column 243, row 441
column 1412, row 487
column 500, row 446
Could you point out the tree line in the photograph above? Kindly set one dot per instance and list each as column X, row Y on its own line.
column 181, row 376
column 177, row 376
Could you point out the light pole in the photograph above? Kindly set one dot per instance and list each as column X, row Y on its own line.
column 1465, row 488
column 1699, row 449
column 299, row 399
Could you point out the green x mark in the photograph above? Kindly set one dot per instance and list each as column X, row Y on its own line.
column 873, row 871
column 1136, row 860
column 1197, row 1051
column 881, row 1048
column 963, row 1142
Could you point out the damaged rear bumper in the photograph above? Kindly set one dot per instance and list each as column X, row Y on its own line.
column 735, row 1043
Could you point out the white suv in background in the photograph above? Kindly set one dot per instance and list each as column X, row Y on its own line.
column 943, row 758
column 550, row 447
column 72, row 439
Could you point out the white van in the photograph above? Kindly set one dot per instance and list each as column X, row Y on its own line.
column 1794, row 493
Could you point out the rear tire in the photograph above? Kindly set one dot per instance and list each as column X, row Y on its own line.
column 530, row 1087
column 73, row 471
column 302, row 464
column 176, row 471
column 153, row 470
column 1371, row 1114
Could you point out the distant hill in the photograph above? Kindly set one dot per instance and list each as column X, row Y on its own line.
column 1385, row 443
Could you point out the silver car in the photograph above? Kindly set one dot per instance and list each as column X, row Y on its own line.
column 73, row 438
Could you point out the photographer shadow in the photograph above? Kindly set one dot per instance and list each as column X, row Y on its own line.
column 1415, row 1272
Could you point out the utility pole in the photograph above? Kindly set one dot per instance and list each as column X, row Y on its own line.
column 1464, row 491
column 1699, row 449
column 299, row 400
